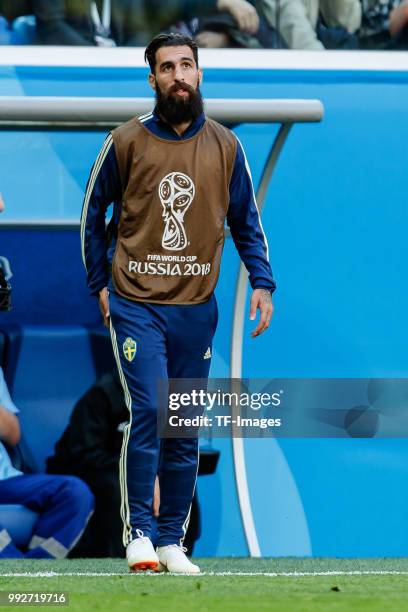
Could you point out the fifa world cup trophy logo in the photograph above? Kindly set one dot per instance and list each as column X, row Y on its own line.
column 176, row 192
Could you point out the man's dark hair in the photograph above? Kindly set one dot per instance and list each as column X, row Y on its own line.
column 168, row 40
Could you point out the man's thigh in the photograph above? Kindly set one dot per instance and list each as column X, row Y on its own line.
column 31, row 490
column 138, row 334
column 190, row 335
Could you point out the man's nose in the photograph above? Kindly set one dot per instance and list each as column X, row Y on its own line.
column 178, row 75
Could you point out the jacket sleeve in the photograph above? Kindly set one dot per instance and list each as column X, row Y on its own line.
column 103, row 188
column 245, row 224
column 296, row 21
column 345, row 13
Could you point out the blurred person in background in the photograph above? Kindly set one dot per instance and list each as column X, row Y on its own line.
column 213, row 23
column 297, row 22
column 64, row 503
column 104, row 23
column 110, row 23
column 384, row 25
column 167, row 12
column 237, row 23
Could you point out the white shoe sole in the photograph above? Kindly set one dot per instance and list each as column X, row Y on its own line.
column 164, row 568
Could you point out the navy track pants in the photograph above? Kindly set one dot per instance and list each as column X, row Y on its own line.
column 166, row 341
column 65, row 504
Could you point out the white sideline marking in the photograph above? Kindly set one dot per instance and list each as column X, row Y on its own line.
column 267, row 574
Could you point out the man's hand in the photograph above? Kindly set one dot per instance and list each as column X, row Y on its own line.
column 156, row 497
column 9, row 427
column 243, row 12
column 212, row 40
column 262, row 299
column 104, row 305
column 399, row 18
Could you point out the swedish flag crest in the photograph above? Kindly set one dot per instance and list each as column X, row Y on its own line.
column 129, row 349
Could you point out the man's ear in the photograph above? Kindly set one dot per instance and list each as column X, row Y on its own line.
column 200, row 76
column 152, row 81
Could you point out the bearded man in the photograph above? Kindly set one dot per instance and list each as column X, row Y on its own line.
column 173, row 177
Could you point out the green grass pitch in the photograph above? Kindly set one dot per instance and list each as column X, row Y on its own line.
column 225, row 584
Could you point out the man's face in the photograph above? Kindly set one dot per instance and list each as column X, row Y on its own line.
column 176, row 82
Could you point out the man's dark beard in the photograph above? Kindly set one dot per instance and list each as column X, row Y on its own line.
column 177, row 110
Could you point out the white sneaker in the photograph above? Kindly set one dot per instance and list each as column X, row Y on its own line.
column 173, row 559
column 141, row 555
